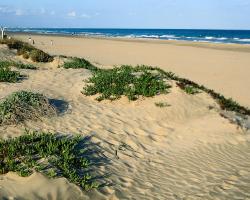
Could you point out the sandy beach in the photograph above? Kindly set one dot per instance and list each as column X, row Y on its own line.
column 184, row 151
column 222, row 67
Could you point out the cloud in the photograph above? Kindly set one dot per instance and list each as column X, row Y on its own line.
column 72, row 14
column 10, row 10
column 85, row 16
column 6, row 9
column 19, row 12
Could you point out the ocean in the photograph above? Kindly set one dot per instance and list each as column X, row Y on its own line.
column 196, row 35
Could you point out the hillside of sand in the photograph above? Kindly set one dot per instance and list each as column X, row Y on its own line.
column 183, row 151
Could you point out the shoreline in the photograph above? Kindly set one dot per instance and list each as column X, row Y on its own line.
column 223, row 68
column 209, row 45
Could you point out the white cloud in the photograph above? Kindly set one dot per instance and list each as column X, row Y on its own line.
column 19, row 12
column 85, row 16
column 5, row 9
column 72, row 14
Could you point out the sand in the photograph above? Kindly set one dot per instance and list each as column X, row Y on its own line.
column 183, row 151
column 222, row 67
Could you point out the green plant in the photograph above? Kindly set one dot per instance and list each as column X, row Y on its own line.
column 50, row 154
column 76, row 63
column 18, row 65
column 37, row 55
column 113, row 83
column 7, row 75
column 161, row 104
column 22, row 105
column 27, row 50
column 189, row 89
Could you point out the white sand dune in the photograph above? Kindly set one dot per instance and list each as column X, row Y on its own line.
column 184, row 151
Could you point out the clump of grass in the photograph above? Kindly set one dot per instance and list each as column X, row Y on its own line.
column 76, row 63
column 189, row 89
column 161, row 104
column 113, row 83
column 7, row 75
column 22, row 105
column 18, row 65
column 27, row 50
column 52, row 155
column 37, row 55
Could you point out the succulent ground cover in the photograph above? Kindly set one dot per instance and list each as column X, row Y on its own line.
column 76, row 63
column 8, row 75
column 24, row 105
column 51, row 154
column 113, row 83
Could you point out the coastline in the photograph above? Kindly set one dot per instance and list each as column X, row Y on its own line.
column 183, row 145
column 225, row 71
column 210, row 45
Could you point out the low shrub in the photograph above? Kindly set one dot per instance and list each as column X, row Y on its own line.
column 7, row 75
column 40, row 56
column 52, row 155
column 22, row 105
column 18, row 65
column 76, row 63
column 113, row 83
column 27, row 50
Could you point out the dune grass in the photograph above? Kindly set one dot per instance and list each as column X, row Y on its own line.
column 76, row 63
column 23, row 105
column 27, row 50
column 50, row 154
column 113, row 83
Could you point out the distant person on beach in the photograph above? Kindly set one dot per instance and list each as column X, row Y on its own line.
column 29, row 39
column 51, row 42
column 33, row 42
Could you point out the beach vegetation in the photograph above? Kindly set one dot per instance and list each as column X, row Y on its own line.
column 111, row 90
column 132, row 82
column 76, row 63
column 23, row 105
column 27, row 50
column 161, row 104
column 189, row 89
column 18, row 65
column 37, row 55
column 8, row 75
column 53, row 155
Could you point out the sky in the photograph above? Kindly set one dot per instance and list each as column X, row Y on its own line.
column 188, row 14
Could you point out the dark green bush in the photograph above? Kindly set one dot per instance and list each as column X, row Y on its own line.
column 113, row 83
column 22, row 105
column 40, row 56
column 52, row 155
